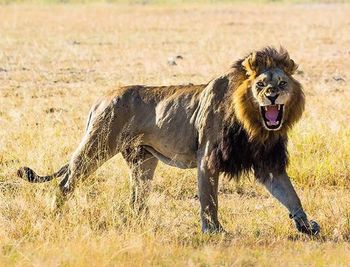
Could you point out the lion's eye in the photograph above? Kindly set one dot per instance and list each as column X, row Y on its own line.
column 261, row 84
column 282, row 83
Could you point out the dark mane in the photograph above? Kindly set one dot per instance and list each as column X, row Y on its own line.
column 243, row 143
column 265, row 58
column 236, row 154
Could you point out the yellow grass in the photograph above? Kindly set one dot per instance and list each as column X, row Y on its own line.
column 55, row 60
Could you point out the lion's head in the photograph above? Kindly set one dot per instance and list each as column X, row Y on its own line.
column 267, row 100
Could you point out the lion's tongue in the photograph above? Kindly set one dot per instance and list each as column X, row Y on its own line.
column 271, row 113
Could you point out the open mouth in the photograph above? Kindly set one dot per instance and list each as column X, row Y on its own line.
column 272, row 116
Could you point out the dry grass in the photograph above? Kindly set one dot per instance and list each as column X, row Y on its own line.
column 55, row 60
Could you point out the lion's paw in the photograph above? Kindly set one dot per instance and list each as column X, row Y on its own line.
column 310, row 228
column 213, row 229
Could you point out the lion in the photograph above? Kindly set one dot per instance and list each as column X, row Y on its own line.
column 236, row 123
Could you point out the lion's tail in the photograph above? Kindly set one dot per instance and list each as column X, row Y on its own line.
column 29, row 175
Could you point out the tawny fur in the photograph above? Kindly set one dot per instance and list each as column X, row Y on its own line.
column 177, row 123
column 236, row 123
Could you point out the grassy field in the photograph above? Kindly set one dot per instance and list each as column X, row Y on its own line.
column 56, row 59
column 168, row 2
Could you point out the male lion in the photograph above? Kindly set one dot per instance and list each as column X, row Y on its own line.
column 236, row 123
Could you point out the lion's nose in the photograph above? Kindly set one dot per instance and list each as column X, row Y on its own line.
column 271, row 94
column 272, row 98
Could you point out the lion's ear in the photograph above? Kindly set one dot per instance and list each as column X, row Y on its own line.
column 249, row 64
column 291, row 67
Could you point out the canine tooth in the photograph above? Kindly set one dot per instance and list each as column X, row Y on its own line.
column 279, row 107
column 265, row 108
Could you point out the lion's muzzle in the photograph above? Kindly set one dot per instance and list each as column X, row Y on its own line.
column 272, row 116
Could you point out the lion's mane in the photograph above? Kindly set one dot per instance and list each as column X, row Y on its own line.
column 244, row 144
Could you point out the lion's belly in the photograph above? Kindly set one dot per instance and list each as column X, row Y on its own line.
column 172, row 134
column 172, row 154
column 175, row 143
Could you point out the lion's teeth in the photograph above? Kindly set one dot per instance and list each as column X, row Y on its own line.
column 279, row 107
column 265, row 108
column 272, row 123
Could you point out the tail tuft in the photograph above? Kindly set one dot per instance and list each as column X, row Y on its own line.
column 27, row 174
column 20, row 172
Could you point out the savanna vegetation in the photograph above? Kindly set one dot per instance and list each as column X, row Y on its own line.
column 56, row 59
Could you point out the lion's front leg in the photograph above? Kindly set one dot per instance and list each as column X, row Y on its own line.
column 280, row 186
column 208, row 197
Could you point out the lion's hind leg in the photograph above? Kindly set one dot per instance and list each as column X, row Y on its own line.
column 99, row 144
column 142, row 165
column 91, row 154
